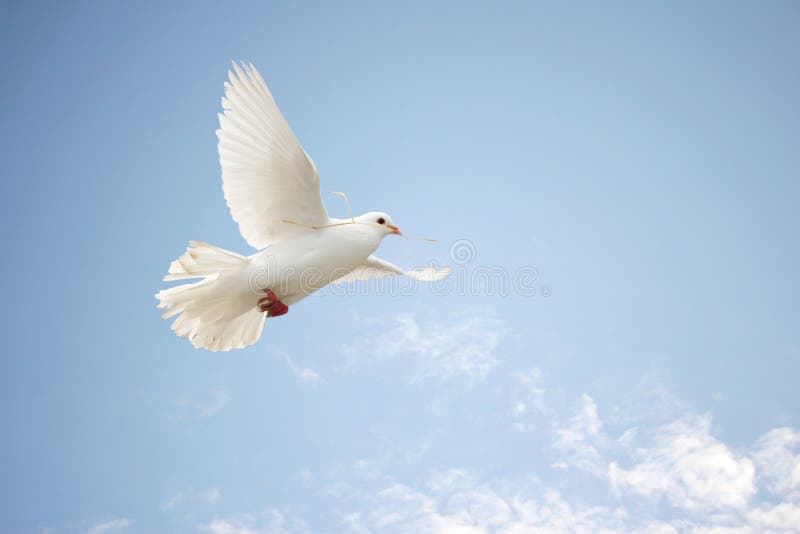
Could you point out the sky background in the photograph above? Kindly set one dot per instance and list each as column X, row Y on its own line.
column 642, row 157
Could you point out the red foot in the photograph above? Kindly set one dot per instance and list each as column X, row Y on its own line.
column 272, row 305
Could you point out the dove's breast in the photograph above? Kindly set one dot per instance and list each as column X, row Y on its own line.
column 296, row 268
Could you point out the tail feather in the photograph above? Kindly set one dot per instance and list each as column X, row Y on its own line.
column 203, row 260
column 214, row 313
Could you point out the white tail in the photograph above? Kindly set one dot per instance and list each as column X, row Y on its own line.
column 211, row 313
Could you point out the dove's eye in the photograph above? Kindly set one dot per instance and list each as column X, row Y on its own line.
column 381, row 220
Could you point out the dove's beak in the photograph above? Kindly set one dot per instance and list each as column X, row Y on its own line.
column 395, row 230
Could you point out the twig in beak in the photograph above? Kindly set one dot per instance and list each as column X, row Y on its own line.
column 346, row 201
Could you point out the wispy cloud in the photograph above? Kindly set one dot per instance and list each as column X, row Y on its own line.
column 458, row 347
column 777, row 456
column 190, row 495
column 304, row 375
column 657, row 477
column 458, row 501
column 529, row 401
column 111, row 525
column 270, row 521
column 228, row 526
column 204, row 407
column 648, row 401
column 576, row 441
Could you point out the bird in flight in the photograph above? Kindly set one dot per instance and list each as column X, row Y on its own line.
column 272, row 189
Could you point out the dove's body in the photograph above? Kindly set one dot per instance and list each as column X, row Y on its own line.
column 272, row 188
column 296, row 268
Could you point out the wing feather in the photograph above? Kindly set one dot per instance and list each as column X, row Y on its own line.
column 267, row 177
column 376, row 268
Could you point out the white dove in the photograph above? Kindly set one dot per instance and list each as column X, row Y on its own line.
column 272, row 189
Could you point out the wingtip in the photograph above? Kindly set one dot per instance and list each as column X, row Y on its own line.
column 440, row 274
column 430, row 274
column 252, row 71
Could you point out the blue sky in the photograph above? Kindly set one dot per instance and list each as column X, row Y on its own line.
column 642, row 158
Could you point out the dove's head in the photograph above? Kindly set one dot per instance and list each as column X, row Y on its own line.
column 381, row 222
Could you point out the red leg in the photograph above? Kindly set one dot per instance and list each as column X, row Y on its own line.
column 264, row 303
column 278, row 309
column 272, row 305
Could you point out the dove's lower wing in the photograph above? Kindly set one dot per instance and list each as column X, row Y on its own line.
column 267, row 177
column 375, row 267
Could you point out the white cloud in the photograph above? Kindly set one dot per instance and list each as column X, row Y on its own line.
column 680, row 462
column 532, row 389
column 784, row 517
column 686, row 465
column 457, row 347
column 480, row 506
column 202, row 408
column 228, row 526
column 456, row 501
column 305, row 476
column 174, row 501
column 648, row 401
column 110, row 526
column 576, row 440
column 528, row 399
column 209, row 496
column 777, row 456
column 709, row 489
column 304, row 375
column 268, row 522
column 664, row 473
column 450, row 480
column 666, row 477
column 471, row 507
column 399, row 508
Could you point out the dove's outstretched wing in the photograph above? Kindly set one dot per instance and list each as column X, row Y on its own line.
column 267, row 177
column 375, row 268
